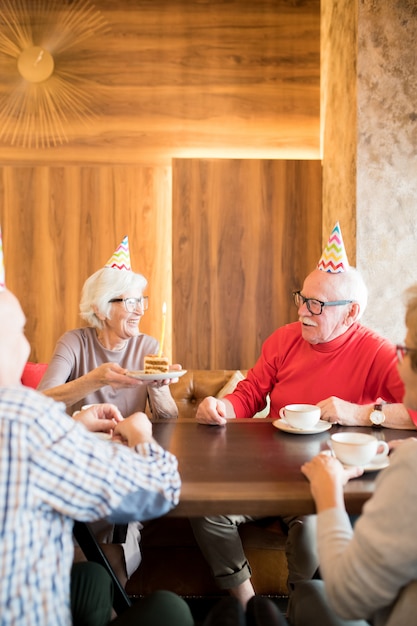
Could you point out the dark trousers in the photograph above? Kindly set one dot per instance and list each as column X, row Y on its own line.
column 91, row 595
column 260, row 611
column 308, row 606
column 92, row 599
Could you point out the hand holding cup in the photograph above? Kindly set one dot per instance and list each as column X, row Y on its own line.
column 358, row 448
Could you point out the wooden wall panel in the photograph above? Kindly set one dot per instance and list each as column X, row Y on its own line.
column 65, row 223
column 340, row 78
column 170, row 78
column 245, row 234
column 185, row 78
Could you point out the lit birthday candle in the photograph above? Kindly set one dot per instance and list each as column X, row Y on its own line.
column 164, row 316
column 2, row 278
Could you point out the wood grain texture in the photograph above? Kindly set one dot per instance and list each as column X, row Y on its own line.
column 245, row 234
column 339, row 113
column 66, row 223
column 175, row 78
column 251, row 466
column 170, row 79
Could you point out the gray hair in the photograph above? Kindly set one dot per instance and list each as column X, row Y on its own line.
column 104, row 285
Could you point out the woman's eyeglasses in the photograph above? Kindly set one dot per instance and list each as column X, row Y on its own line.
column 402, row 352
column 133, row 304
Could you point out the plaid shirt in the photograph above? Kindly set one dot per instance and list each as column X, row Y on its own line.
column 52, row 471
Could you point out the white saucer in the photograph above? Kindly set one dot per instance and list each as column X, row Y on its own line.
column 320, row 427
column 140, row 374
column 373, row 466
column 376, row 465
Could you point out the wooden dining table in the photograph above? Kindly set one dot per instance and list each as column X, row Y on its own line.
column 249, row 466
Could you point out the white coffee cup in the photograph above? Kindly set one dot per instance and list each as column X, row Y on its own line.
column 358, row 448
column 301, row 416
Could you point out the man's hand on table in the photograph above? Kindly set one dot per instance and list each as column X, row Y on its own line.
column 338, row 411
column 214, row 412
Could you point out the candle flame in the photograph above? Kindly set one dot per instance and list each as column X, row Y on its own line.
column 164, row 314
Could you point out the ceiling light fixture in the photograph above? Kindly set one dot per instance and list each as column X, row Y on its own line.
column 45, row 86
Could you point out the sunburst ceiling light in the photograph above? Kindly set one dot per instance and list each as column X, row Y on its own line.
column 42, row 90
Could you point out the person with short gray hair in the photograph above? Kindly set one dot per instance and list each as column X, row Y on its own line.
column 326, row 358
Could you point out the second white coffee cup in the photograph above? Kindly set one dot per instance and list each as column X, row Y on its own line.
column 358, row 448
column 301, row 416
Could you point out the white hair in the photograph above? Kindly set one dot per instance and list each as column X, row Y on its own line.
column 351, row 286
column 104, row 285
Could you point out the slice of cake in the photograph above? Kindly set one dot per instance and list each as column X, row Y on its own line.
column 155, row 364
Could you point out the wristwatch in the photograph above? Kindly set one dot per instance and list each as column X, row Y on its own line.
column 377, row 415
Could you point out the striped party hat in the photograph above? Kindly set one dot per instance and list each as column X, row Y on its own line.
column 120, row 258
column 2, row 276
column 334, row 258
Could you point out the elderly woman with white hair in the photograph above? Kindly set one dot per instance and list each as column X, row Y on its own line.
column 90, row 364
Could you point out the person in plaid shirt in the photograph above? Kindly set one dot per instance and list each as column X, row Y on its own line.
column 54, row 470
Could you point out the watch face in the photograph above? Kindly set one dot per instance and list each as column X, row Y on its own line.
column 377, row 417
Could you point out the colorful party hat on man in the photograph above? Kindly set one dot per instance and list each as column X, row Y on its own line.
column 334, row 258
column 2, row 277
column 121, row 256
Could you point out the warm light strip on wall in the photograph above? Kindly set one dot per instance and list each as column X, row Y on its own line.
column 246, row 153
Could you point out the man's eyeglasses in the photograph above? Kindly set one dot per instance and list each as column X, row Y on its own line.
column 132, row 304
column 314, row 306
column 402, row 352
